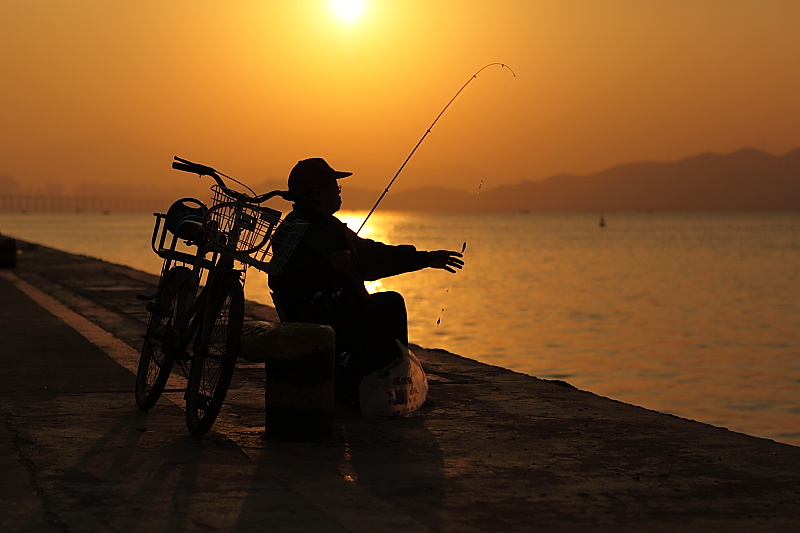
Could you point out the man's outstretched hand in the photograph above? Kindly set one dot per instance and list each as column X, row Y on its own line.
column 445, row 259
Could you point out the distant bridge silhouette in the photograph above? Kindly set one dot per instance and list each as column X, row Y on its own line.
column 40, row 202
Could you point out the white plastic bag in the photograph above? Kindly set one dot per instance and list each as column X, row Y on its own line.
column 398, row 390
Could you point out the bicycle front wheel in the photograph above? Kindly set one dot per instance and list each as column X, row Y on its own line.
column 215, row 356
column 157, row 358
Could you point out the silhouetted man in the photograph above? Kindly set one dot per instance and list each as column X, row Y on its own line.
column 323, row 280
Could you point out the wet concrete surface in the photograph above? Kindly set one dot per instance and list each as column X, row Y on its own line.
column 493, row 450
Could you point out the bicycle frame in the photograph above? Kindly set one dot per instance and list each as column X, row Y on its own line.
column 193, row 310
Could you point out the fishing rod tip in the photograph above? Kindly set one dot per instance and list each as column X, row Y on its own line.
column 509, row 68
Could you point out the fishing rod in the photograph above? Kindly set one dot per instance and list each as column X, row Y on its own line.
column 386, row 190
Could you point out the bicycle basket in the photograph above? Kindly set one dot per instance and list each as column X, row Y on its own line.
column 282, row 245
column 243, row 231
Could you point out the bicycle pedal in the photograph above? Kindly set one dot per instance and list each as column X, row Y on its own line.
column 155, row 308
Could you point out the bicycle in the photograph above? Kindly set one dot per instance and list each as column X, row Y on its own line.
column 202, row 331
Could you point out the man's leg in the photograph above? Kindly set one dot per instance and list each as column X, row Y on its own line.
column 383, row 320
column 387, row 317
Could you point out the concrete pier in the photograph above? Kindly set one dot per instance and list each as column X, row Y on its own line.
column 493, row 450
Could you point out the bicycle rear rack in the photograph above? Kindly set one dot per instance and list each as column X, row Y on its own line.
column 165, row 241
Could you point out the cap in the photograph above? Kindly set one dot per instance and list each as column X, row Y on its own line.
column 308, row 173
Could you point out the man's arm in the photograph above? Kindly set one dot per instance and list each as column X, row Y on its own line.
column 381, row 260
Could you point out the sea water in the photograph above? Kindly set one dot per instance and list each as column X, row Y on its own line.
column 694, row 314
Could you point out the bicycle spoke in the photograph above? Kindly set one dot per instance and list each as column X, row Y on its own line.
column 215, row 357
column 155, row 362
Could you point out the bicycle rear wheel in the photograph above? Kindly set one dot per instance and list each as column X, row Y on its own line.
column 157, row 358
column 215, row 356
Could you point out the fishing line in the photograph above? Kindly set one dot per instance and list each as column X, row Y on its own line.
column 502, row 65
column 439, row 320
column 463, row 249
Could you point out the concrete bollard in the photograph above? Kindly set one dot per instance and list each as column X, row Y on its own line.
column 8, row 252
column 299, row 390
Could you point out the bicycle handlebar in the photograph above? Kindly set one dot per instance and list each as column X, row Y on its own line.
column 203, row 170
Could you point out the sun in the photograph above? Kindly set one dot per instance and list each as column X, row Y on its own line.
column 348, row 10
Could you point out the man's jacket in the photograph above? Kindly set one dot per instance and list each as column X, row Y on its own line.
column 310, row 289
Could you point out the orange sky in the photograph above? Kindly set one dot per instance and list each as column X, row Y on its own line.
column 252, row 86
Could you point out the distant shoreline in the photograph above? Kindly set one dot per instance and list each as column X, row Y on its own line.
column 746, row 180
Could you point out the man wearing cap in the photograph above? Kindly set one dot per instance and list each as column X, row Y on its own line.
column 323, row 280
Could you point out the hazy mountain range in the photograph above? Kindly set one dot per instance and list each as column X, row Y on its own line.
column 747, row 179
